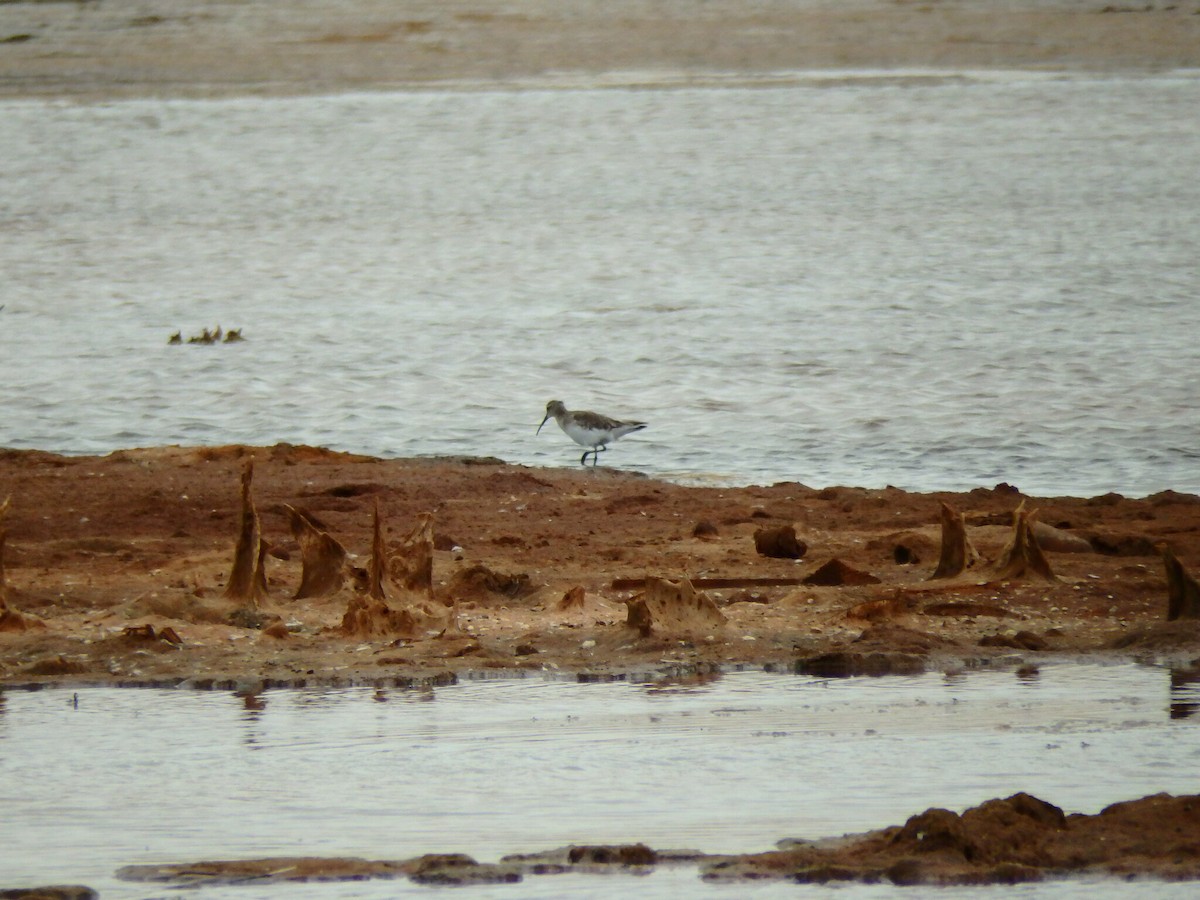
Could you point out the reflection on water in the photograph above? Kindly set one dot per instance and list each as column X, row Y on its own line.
column 936, row 284
column 1185, row 693
column 720, row 764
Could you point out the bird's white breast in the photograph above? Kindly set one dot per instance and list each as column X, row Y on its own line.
column 587, row 437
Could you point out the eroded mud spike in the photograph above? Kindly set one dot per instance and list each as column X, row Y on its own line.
column 958, row 554
column 322, row 557
column 411, row 564
column 1183, row 591
column 1022, row 557
column 379, row 560
column 247, row 582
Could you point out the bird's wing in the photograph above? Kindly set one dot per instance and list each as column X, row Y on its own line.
column 595, row 420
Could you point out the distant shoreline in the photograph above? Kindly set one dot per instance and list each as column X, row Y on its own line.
column 102, row 51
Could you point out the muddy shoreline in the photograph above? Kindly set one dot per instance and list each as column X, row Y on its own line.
column 1014, row 840
column 117, row 568
column 117, row 571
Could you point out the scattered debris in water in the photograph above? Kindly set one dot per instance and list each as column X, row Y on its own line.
column 214, row 336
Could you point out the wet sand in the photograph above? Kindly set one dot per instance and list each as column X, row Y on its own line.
column 99, row 49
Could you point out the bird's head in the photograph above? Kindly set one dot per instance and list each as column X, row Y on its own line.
column 553, row 408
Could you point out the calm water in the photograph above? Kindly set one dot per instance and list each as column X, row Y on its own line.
column 936, row 283
column 493, row 767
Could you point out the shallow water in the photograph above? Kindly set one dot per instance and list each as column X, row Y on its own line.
column 932, row 282
column 100, row 778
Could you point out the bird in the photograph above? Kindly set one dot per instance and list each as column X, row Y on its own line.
column 588, row 429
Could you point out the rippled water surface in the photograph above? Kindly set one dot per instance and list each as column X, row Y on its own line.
column 928, row 282
column 100, row 778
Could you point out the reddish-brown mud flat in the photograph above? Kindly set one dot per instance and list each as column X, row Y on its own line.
column 121, row 569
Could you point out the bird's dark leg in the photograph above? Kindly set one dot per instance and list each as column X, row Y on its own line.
column 583, row 459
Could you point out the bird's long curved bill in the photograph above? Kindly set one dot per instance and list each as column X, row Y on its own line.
column 544, row 421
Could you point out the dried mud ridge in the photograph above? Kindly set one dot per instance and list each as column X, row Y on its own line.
column 1015, row 840
column 250, row 568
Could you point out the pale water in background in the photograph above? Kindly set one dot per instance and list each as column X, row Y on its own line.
column 936, row 283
